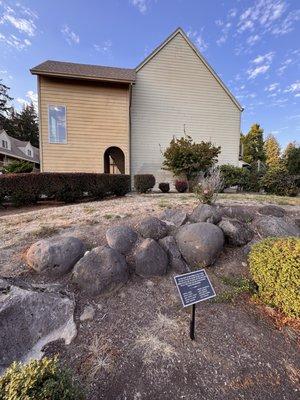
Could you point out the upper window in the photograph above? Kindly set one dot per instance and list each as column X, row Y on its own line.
column 57, row 124
column 4, row 144
column 29, row 153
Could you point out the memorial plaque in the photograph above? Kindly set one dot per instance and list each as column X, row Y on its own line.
column 194, row 287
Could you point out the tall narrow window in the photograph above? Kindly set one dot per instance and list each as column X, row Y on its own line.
column 29, row 153
column 57, row 124
column 4, row 144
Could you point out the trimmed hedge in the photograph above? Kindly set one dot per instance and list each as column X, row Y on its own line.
column 181, row 186
column 25, row 189
column 234, row 176
column 274, row 265
column 144, row 182
column 164, row 187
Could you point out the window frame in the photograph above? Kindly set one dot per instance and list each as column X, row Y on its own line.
column 29, row 152
column 66, row 127
column 4, row 144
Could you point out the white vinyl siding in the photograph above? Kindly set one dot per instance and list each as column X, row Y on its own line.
column 173, row 91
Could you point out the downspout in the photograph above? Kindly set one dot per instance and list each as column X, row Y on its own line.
column 40, row 122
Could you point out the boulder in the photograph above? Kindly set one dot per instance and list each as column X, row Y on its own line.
column 247, row 248
column 175, row 217
column 274, row 211
column 243, row 213
column 176, row 261
column 276, row 227
column 55, row 257
column 29, row 319
column 200, row 244
column 153, row 228
column 121, row 238
column 150, row 259
column 206, row 213
column 100, row 269
column 237, row 233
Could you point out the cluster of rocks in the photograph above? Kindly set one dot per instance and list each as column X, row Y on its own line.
column 175, row 241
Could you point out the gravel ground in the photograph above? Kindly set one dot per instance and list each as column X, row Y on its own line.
column 137, row 346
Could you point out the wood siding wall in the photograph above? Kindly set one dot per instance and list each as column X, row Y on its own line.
column 97, row 118
column 175, row 89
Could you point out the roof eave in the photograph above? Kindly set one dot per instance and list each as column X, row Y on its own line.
column 80, row 77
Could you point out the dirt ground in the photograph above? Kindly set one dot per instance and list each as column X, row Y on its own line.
column 137, row 347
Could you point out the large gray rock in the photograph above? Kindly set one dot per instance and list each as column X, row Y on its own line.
column 176, row 261
column 240, row 212
column 237, row 233
column 29, row 319
column 153, row 228
column 200, row 244
column 100, row 269
column 175, row 217
column 275, row 211
column 276, row 227
column 206, row 213
column 121, row 238
column 55, row 257
column 150, row 259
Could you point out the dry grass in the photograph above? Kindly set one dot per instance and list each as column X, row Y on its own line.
column 260, row 198
column 154, row 341
column 100, row 357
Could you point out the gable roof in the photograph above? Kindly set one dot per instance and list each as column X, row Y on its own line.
column 84, row 71
column 200, row 56
column 16, row 151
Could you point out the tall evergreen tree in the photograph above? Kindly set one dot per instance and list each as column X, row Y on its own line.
column 5, row 106
column 291, row 157
column 272, row 151
column 253, row 145
column 26, row 125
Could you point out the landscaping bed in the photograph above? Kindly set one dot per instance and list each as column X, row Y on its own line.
column 136, row 345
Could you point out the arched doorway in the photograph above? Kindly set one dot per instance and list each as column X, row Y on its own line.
column 114, row 161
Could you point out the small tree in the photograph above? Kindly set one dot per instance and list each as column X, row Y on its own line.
column 272, row 150
column 253, row 145
column 185, row 157
column 291, row 158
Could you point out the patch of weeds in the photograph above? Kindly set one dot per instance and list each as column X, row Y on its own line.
column 111, row 216
column 164, row 204
column 101, row 356
column 154, row 340
column 90, row 209
column 238, row 285
column 44, row 231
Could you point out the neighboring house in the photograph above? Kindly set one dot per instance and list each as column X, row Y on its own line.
column 12, row 149
column 104, row 119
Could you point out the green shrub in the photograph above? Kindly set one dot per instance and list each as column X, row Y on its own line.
column 25, row 189
column 274, row 265
column 17, row 167
column 181, row 186
column 235, row 176
column 278, row 181
column 144, row 182
column 38, row 380
column 164, row 187
column 184, row 157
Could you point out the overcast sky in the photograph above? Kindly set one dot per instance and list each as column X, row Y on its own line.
column 253, row 45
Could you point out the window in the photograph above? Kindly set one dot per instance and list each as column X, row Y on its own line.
column 29, row 153
column 57, row 124
column 4, row 144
